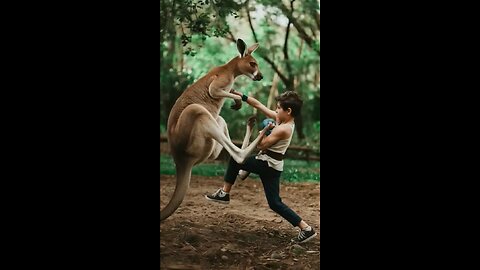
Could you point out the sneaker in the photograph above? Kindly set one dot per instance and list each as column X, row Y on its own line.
column 219, row 196
column 242, row 175
column 304, row 236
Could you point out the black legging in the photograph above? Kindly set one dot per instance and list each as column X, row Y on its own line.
column 271, row 184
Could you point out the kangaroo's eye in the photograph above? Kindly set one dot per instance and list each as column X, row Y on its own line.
column 253, row 64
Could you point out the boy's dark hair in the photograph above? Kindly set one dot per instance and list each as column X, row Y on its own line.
column 290, row 99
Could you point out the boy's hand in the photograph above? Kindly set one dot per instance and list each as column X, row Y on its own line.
column 235, row 92
column 270, row 126
column 237, row 105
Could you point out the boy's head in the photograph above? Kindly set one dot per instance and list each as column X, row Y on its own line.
column 290, row 102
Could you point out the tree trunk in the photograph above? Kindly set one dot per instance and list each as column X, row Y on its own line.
column 179, row 31
column 168, row 64
column 296, row 81
column 273, row 93
column 299, row 124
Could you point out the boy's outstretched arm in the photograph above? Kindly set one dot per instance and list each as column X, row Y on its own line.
column 259, row 106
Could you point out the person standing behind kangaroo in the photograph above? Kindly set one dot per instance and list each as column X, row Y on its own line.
column 268, row 164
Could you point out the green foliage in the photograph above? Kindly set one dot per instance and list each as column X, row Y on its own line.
column 175, row 83
column 301, row 171
column 294, row 170
column 313, row 139
column 193, row 37
column 311, row 5
column 201, row 17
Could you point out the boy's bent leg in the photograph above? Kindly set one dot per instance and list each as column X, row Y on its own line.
column 271, row 185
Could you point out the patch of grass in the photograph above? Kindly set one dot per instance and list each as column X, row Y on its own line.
column 294, row 170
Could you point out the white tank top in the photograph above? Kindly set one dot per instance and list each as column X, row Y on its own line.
column 280, row 147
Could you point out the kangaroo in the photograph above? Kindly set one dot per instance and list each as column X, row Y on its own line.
column 195, row 130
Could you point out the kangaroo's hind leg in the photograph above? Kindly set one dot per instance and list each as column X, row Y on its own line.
column 248, row 133
column 217, row 146
column 208, row 126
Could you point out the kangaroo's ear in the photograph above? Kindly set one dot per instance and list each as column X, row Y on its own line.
column 241, row 46
column 252, row 48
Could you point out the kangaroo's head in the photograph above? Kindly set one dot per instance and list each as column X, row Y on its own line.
column 247, row 65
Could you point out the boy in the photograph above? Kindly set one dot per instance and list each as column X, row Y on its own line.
column 268, row 164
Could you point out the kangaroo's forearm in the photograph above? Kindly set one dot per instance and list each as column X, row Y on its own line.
column 219, row 93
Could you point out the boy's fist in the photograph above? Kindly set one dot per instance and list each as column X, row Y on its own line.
column 237, row 105
column 269, row 123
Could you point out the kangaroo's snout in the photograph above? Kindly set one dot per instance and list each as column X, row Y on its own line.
column 258, row 77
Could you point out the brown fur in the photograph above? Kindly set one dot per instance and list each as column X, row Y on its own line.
column 196, row 132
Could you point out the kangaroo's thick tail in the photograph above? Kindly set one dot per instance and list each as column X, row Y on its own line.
column 184, row 172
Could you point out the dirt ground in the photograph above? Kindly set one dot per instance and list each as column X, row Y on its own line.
column 244, row 234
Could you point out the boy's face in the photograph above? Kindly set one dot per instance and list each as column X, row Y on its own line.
column 283, row 115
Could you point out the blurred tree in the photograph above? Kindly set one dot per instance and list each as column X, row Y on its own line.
column 289, row 36
column 289, row 69
column 180, row 20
